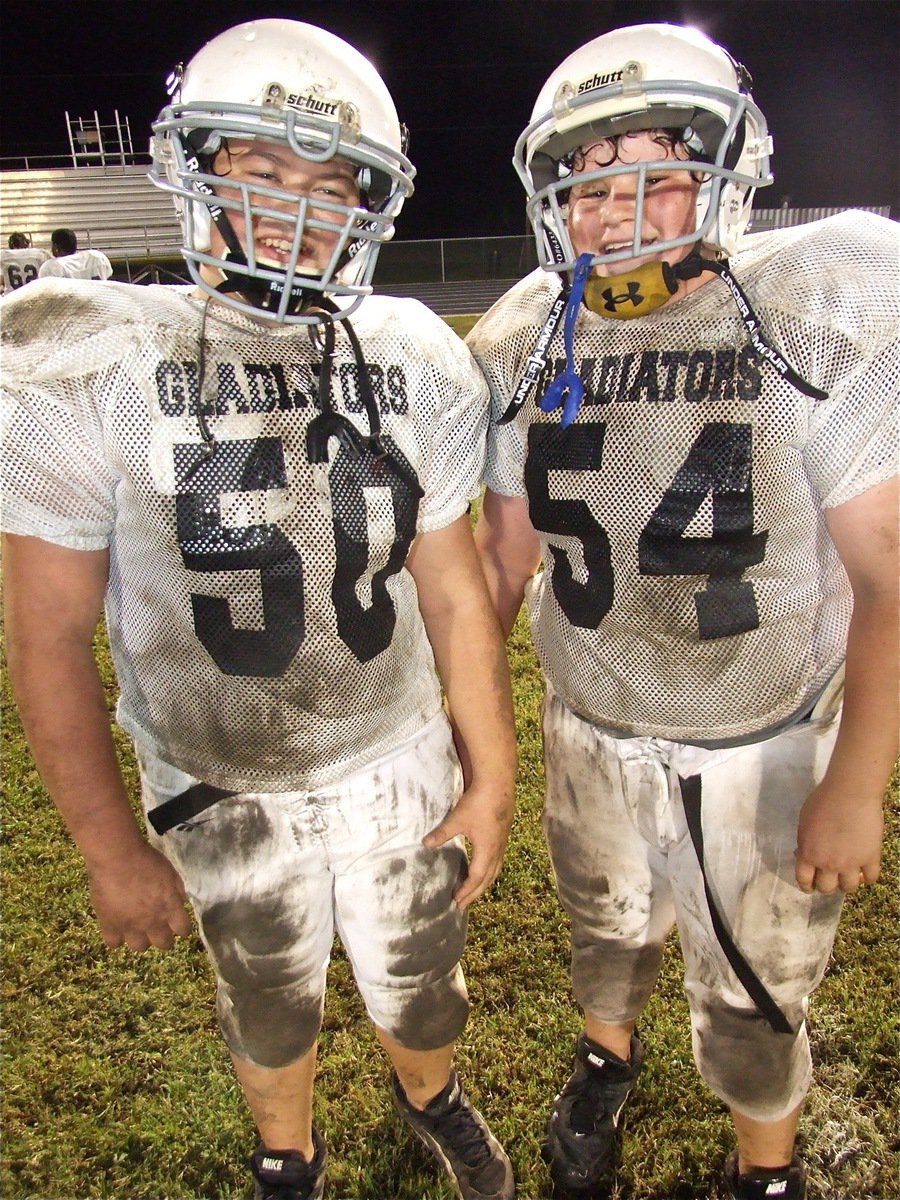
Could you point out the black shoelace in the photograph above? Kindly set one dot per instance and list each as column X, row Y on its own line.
column 459, row 1126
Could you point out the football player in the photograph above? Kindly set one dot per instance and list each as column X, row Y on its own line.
column 68, row 262
column 266, row 475
column 708, row 478
column 20, row 262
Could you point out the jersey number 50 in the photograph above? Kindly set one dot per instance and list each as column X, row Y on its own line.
column 208, row 545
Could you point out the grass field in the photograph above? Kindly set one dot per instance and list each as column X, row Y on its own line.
column 116, row 1084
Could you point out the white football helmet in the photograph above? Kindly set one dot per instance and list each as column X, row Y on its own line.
column 637, row 78
column 292, row 83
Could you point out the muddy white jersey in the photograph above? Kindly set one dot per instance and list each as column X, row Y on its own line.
column 264, row 628
column 18, row 267
column 690, row 587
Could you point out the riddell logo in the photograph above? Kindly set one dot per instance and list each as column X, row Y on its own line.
column 778, row 1188
column 598, row 81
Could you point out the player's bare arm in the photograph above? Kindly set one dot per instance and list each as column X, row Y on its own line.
column 841, row 825
column 54, row 596
column 509, row 551
column 471, row 663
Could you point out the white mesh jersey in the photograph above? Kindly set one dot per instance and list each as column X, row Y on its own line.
column 18, row 267
column 83, row 264
column 690, row 588
column 265, row 631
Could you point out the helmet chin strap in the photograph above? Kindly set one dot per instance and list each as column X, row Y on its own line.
column 264, row 294
column 624, row 297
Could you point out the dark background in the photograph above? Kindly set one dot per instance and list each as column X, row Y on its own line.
column 464, row 77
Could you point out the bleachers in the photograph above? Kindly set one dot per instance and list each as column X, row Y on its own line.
column 782, row 218
column 115, row 209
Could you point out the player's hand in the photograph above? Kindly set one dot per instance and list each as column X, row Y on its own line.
column 838, row 841
column 484, row 819
column 140, row 900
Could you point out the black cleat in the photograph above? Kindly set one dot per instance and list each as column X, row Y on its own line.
column 781, row 1183
column 457, row 1135
column 286, row 1175
column 582, row 1133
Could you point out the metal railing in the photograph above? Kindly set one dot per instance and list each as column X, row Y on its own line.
column 450, row 260
column 95, row 144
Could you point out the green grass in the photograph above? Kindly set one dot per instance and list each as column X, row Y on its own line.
column 462, row 324
column 116, row 1083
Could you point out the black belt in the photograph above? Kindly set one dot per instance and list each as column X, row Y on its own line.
column 185, row 805
column 691, row 795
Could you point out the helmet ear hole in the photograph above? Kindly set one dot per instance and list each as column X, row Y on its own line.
column 303, row 89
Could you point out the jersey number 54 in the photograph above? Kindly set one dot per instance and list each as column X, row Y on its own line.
column 718, row 464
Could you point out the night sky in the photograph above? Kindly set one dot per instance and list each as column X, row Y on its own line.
column 464, row 77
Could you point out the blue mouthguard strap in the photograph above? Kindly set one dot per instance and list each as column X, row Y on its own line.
column 567, row 389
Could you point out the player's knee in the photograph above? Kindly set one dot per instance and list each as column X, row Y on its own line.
column 271, row 979
column 612, row 979
column 423, row 1017
column 269, row 1028
column 754, row 1069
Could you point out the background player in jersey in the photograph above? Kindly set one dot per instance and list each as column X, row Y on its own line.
column 272, row 497
column 20, row 262
column 68, row 262
column 708, row 519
